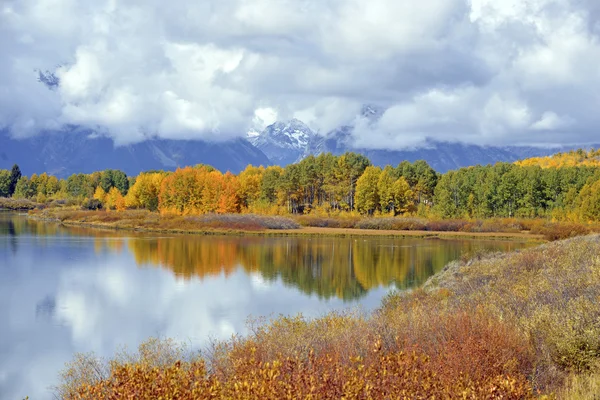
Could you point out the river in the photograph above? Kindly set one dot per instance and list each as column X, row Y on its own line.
column 68, row 290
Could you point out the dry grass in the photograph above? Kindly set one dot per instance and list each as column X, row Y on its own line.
column 467, row 355
column 312, row 225
column 494, row 326
column 18, row 204
column 424, row 234
column 549, row 230
column 550, row 293
column 146, row 220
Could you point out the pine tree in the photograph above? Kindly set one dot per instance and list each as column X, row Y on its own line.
column 15, row 175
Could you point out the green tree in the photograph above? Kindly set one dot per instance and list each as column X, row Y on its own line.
column 350, row 167
column 425, row 181
column 106, row 180
column 270, row 184
column 120, row 181
column 24, row 189
column 114, row 178
column 5, row 182
column 15, row 175
column 79, row 186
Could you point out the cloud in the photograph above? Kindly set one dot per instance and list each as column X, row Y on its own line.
column 103, row 301
column 476, row 71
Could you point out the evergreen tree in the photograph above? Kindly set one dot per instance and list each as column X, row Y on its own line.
column 15, row 175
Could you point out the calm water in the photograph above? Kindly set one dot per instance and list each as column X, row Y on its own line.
column 67, row 290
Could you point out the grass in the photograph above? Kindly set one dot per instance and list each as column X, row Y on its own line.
column 143, row 220
column 508, row 326
column 549, row 230
column 17, row 204
column 146, row 220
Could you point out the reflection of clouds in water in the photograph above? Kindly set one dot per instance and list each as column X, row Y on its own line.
column 259, row 283
column 106, row 307
column 119, row 304
column 102, row 300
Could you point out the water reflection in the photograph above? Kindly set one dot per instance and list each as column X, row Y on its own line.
column 79, row 290
column 326, row 267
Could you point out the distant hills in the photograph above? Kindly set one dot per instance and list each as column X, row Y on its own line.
column 566, row 159
column 282, row 143
column 65, row 153
column 288, row 142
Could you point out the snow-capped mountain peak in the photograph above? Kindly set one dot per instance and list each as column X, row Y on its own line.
column 284, row 142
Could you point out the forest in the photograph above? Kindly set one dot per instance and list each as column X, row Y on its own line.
column 564, row 187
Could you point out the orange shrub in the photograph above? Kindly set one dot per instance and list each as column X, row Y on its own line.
column 454, row 355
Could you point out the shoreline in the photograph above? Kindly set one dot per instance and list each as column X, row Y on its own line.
column 304, row 232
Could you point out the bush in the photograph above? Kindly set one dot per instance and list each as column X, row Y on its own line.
column 393, row 223
column 328, row 222
column 92, row 204
column 18, row 204
column 337, row 356
column 249, row 222
column 560, row 230
column 549, row 292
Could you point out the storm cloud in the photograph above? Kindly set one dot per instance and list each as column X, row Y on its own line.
column 476, row 71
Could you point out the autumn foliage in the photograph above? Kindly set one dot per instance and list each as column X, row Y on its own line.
column 510, row 326
column 468, row 355
column 568, row 159
column 199, row 190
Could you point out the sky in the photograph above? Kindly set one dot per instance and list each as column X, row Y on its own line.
column 487, row 72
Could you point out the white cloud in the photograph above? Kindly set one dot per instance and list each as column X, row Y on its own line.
column 550, row 121
column 479, row 71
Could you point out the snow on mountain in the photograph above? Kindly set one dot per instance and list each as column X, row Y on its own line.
column 289, row 142
column 371, row 112
column 284, row 142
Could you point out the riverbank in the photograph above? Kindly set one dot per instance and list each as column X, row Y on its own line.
column 9, row 204
column 515, row 326
column 248, row 224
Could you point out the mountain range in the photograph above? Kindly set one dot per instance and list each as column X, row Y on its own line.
column 289, row 142
column 75, row 150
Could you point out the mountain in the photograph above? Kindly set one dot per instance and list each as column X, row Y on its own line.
column 442, row 156
column 75, row 151
column 284, row 142
column 289, row 142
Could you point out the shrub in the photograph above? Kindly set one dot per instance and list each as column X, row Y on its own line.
column 324, row 367
column 92, row 204
column 549, row 292
column 560, row 230
column 18, row 204
column 328, row 222
column 393, row 223
column 250, row 222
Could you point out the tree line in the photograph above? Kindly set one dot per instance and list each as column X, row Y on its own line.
column 334, row 185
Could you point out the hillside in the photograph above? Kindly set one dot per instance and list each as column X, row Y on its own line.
column 77, row 151
column 571, row 158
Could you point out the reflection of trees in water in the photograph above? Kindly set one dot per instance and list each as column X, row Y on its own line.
column 7, row 228
column 342, row 268
column 326, row 267
column 14, row 225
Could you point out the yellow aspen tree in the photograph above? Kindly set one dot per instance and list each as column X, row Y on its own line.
column 367, row 194
column 115, row 200
column 100, row 195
